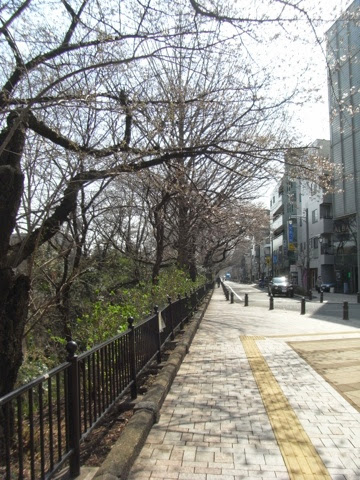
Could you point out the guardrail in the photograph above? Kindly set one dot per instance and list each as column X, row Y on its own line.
column 45, row 421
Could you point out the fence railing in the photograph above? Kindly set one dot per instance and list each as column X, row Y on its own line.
column 43, row 423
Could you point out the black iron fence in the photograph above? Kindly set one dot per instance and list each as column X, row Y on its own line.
column 44, row 422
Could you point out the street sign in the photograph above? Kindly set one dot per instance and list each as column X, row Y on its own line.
column 291, row 233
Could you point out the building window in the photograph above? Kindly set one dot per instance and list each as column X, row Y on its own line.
column 313, row 189
column 316, row 242
column 315, row 216
column 325, row 210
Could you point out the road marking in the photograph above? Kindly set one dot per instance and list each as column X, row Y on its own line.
column 299, row 454
column 236, row 295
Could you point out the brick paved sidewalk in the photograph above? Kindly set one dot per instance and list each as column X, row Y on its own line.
column 245, row 405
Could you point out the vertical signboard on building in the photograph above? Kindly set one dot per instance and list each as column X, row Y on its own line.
column 291, row 233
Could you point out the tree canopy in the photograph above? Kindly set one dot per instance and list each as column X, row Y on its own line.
column 146, row 127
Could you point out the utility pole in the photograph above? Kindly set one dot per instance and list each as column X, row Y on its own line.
column 272, row 256
column 308, row 283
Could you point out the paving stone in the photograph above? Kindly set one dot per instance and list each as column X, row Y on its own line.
column 214, row 417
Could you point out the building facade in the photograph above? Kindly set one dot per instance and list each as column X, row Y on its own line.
column 301, row 224
column 315, row 251
column 283, row 237
column 343, row 49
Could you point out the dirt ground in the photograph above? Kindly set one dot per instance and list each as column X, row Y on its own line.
column 100, row 441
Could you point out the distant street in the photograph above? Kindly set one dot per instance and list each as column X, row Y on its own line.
column 332, row 305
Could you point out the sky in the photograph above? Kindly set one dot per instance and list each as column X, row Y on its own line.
column 311, row 118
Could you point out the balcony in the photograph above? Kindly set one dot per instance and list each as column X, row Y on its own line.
column 278, row 225
column 327, row 250
column 278, row 207
column 326, row 256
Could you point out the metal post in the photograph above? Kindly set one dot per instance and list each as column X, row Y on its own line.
column 271, row 305
column 187, row 307
column 358, row 297
column 73, row 409
column 308, row 280
column 246, row 304
column 132, row 357
column 156, row 311
column 182, row 311
column 346, row 311
column 232, row 297
column 302, row 312
column 193, row 300
column 196, row 299
column 171, row 318
column 321, row 296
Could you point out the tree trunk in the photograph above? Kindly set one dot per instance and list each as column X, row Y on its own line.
column 14, row 297
column 159, row 237
column 185, row 241
column 14, row 288
column 192, row 261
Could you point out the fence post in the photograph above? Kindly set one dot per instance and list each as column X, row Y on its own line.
column 73, row 408
column 246, row 303
column 156, row 310
column 171, row 318
column 132, row 357
column 197, row 302
column 182, row 311
column 346, row 311
column 302, row 312
column 5, row 440
column 192, row 300
column 232, row 297
column 187, row 306
column 321, row 296
column 271, row 303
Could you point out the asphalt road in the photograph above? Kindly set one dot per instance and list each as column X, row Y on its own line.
column 331, row 307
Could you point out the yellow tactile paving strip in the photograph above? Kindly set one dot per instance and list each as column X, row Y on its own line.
column 300, row 456
column 318, row 334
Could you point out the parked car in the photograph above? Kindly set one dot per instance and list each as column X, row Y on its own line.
column 325, row 287
column 280, row 286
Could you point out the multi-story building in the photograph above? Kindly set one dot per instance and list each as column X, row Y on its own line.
column 315, row 253
column 343, row 48
column 283, row 206
column 301, row 227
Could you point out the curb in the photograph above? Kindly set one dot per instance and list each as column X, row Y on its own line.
column 124, row 452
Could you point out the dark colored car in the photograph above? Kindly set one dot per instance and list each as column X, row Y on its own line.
column 280, row 286
column 325, row 287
